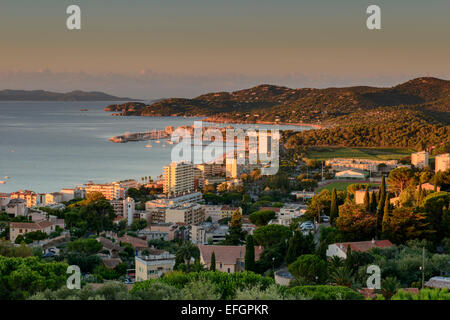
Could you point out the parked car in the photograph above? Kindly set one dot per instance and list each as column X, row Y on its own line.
column 325, row 218
column 128, row 281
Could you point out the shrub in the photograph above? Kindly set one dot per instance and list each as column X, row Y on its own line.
column 324, row 292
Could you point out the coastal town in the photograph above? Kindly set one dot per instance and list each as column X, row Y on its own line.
column 297, row 229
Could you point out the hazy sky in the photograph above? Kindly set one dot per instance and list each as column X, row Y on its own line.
column 160, row 48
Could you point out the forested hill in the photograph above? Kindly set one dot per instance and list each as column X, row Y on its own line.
column 410, row 114
column 41, row 95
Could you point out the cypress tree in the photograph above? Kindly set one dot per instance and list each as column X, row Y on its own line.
column 381, row 198
column 213, row 262
column 420, row 194
column 249, row 254
column 348, row 199
column 386, row 215
column 373, row 202
column 367, row 200
column 334, row 210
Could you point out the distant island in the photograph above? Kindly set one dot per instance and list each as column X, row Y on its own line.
column 41, row 95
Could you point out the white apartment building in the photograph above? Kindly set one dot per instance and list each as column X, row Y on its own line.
column 420, row 159
column 442, row 162
column 178, row 178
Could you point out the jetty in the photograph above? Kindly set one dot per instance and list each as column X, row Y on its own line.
column 141, row 136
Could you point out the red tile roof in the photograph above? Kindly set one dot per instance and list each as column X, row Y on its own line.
column 364, row 245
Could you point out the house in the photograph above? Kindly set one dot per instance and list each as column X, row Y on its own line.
column 152, row 264
column 22, row 228
column 136, row 243
column 228, row 258
column 113, row 247
column 111, row 263
column 340, row 249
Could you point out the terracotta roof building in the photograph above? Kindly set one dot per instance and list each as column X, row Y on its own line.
column 228, row 258
column 340, row 249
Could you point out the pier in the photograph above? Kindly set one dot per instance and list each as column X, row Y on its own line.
column 141, row 136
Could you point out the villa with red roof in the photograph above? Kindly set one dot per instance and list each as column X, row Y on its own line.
column 340, row 249
column 228, row 258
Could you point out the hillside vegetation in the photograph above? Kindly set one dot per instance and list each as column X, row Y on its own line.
column 411, row 114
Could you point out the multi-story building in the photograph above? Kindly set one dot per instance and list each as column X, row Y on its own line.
column 124, row 208
column 16, row 207
column 442, row 162
column 54, row 197
column 110, row 191
column 189, row 214
column 227, row 211
column 213, row 212
column 339, row 164
column 5, row 198
column 30, row 197
column 70, row 194
column 154, row 264
column 419, row 159
column 178, row 178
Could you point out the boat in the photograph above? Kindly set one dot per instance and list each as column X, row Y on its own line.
column 6, row 178
column 169, row 142
column 2, row 182
column 157, row 141
column 149, row 146
column 84, row 110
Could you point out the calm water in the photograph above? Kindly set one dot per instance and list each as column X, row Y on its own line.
column 46, row 146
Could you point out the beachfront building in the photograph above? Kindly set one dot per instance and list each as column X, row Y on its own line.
column 178, row 178
column 110, row 191
column 419, row 159
column 30, row 197
column 153, row 264
column 442, row 162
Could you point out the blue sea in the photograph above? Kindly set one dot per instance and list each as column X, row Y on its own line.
column 46, row 146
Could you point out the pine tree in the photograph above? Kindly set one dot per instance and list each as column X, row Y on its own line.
column 334, row 210
column 249, row 254
column 213, row 262
column 367, row 200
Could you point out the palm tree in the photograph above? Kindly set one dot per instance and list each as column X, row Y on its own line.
column 389, row 287
column 342, row 276
column 188, row 251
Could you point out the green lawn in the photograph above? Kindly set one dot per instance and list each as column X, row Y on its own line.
column 342, row 186
column 325, row 153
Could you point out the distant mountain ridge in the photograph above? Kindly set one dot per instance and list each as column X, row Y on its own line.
column 41, row 95
column 276, row 103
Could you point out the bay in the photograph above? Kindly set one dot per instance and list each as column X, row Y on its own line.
column 46, row 146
